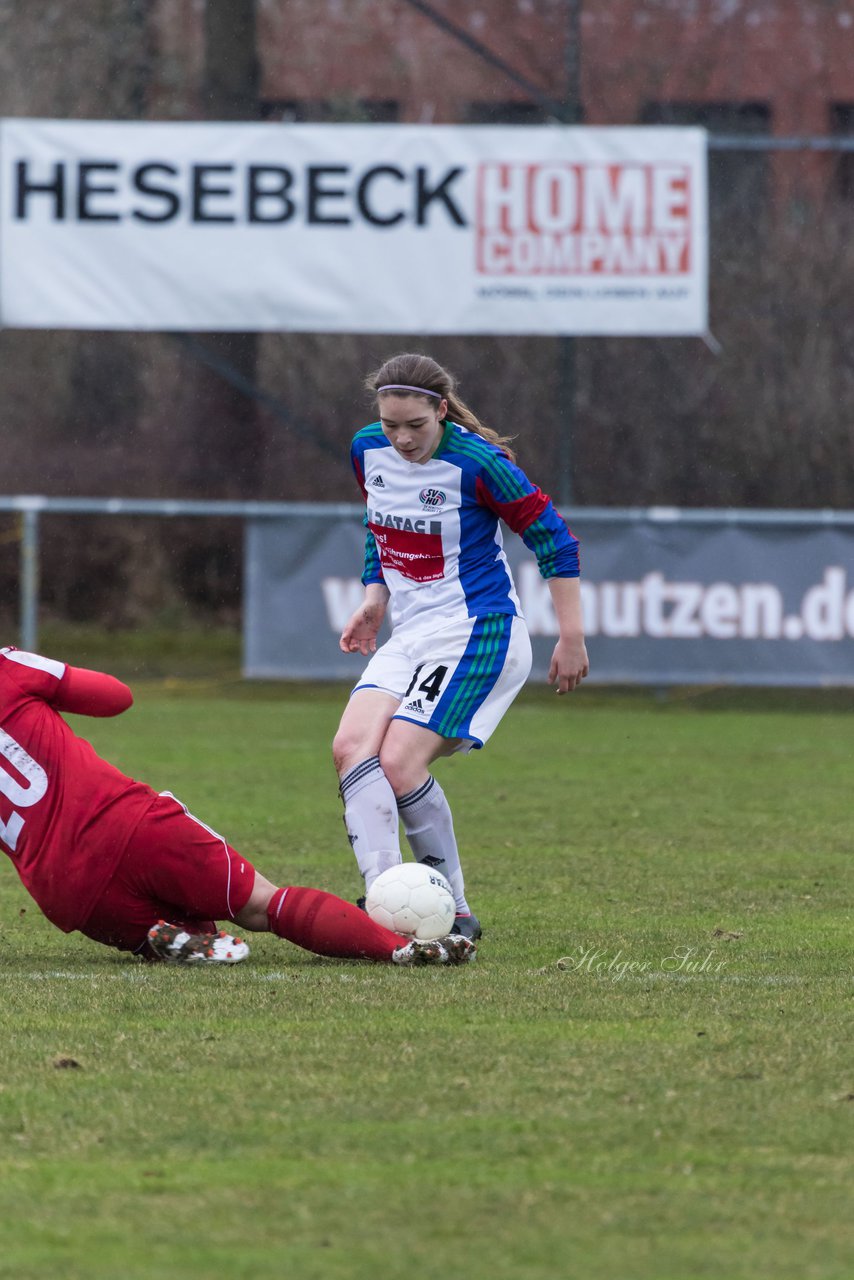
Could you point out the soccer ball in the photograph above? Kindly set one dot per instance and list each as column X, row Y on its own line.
column 412, row 899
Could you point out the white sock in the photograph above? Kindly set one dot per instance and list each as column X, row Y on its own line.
column 429, row 829
column 370, row 816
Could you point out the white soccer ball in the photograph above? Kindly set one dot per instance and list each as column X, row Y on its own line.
column 412, row 899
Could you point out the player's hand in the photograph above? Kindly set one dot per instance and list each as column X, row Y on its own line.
column 569, row 664
column 360, row 633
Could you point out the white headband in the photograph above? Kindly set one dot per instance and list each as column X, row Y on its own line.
column 401, row 386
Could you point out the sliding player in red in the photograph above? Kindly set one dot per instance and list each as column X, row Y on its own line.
column 108, row 856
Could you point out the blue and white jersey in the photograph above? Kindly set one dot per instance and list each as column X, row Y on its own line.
column 434, row 536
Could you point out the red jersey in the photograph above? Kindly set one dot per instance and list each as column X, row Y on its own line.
column 66, row 815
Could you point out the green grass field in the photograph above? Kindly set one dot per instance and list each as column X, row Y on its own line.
column 647, row 1075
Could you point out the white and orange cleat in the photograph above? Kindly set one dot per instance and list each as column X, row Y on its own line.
column 172, row 943
column 455, row 949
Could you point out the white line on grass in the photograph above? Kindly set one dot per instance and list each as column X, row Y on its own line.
column 139, row 974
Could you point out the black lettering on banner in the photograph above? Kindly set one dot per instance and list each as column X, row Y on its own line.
column 317, row 192
column 334, row 196
column 87, row 190
column 25, row 187
column 425, row 195
column 142, row 184
column 202, row 192
column 263, row 194
column 362, row 192
column 432, row 686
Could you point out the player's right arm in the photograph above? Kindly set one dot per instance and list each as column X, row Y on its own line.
column 91, row 693
column 74, row 689
column 360, row 633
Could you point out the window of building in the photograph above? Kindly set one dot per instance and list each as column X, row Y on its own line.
column 341, row 110
column 738, row 178
column 842, row 126
column 506, row 113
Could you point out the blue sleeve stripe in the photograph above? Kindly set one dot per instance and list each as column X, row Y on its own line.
column 373, row 429
column 548, row 537
column 372, row 571
column 555, row 548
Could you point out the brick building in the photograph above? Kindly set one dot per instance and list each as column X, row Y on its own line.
column 760, row 416
column 784, row 67
column 770, row 68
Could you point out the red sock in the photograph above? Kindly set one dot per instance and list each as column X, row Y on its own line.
column 329, row 926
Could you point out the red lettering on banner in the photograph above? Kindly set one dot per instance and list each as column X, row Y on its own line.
column 584, row 219
column 417, row 556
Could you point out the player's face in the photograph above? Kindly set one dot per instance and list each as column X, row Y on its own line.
column 413, row 425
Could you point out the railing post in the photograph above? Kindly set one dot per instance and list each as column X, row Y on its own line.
column 30, row 579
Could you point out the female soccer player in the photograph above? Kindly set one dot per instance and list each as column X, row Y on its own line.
column 108, row 856
column 436, row 481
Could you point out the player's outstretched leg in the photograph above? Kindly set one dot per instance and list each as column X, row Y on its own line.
column 455, row 949
column 174, row 943
column 329, row 926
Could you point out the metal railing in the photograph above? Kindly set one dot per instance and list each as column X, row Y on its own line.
column 31, row 507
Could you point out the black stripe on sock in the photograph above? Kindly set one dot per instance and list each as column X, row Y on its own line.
column 420, row 793
column 357, row 774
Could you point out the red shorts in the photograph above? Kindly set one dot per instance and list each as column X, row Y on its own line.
column 175, row 868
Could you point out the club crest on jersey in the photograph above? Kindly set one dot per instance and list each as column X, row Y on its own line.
column 433, row 499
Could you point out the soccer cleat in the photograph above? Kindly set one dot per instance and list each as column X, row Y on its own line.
column 460, row 949
column 170, row 942
column 455, row 949
column 468, row 926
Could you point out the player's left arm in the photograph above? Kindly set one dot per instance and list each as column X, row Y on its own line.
column 507, row 491
column 569, row 664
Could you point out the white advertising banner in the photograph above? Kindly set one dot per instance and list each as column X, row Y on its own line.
column 353, row 228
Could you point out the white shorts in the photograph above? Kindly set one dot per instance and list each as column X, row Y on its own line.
column 457, row 680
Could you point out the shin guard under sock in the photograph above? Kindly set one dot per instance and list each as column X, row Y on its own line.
column 370, row 816
column 429, row 828
column 329, row 926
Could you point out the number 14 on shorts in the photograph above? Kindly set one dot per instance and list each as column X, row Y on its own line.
column 424, row 690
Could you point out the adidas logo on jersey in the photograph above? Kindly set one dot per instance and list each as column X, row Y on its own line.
column 377, row 482
column 417, row 706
